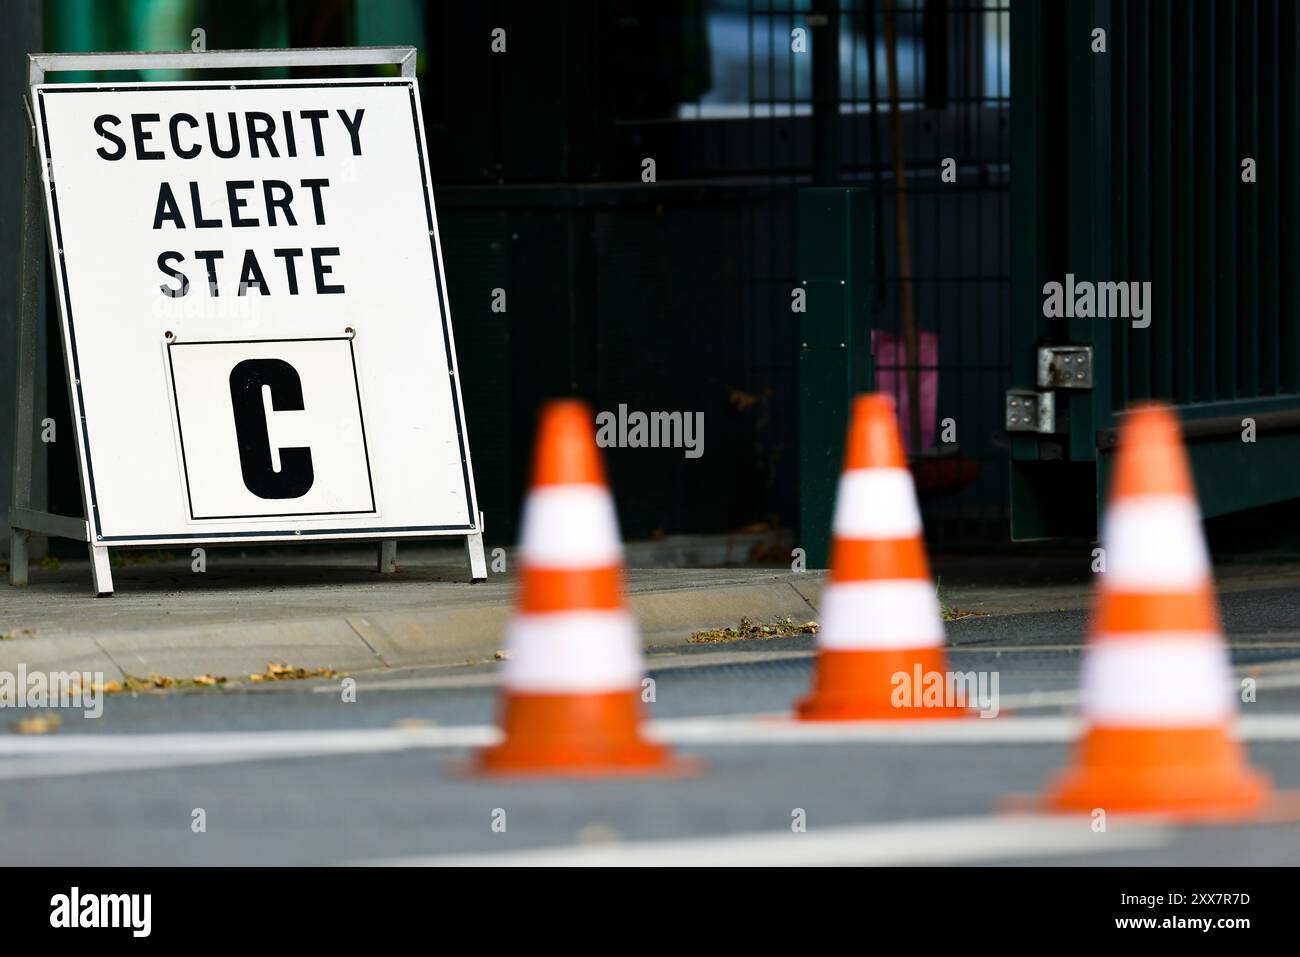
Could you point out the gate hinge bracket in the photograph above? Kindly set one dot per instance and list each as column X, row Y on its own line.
column 1030, row 411
column 1065, row 367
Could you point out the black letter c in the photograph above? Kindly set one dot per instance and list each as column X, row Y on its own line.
column 246, row 380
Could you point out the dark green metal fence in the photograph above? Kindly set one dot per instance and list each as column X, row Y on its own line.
column 676, row 294
column 835, row 260
column 1131, row 166
column 938, row 259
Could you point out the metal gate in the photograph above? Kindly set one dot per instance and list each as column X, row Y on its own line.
column 1167, row 158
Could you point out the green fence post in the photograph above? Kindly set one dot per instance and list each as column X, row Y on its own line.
column 835, row 269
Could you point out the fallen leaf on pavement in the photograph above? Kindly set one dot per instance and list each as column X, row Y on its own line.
column 414, row 723
column 39, row 724
column 279, row 671
column 748, row 631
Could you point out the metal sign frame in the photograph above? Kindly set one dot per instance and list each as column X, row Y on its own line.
column 24, row 520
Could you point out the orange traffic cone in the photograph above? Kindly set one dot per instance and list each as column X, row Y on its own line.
column 881, row 637
column 572, row 681
column 1156, row 682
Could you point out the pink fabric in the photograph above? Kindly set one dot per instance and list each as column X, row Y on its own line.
column 891, row 377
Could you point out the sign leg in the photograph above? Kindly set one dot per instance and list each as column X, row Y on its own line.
column 18, row 556
column 474, row 552
column 32, row 267
column 388, row 556
column 100, row 572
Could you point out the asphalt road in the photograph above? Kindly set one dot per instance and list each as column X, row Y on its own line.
column 292, row 774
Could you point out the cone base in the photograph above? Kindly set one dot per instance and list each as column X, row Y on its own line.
column 574, row 734
column 1186, row 773
column 860, row 686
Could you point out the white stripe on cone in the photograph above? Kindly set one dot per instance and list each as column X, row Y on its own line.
column 1154, row 543
column 1165, row 679
column 573, row 651
column 570, row 526
column 876, row 504
column 895, row 613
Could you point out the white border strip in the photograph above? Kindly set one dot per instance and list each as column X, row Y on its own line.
column 86, row 754
column 570, row 526
column 876, row 504
column 1154, row 543
column 1159, row 680
column 573, row 651
column 962, row 840
column 876, row 615
column 738, row 729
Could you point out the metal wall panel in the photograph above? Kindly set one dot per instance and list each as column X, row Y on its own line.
column 1149, row 170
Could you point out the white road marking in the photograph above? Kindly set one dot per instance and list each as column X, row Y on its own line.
column 1267, row 675
column 59, row 755
column 84, row 754
column 1038, row 699
column 253, row 743
column 962, row 840
column 81, row 765
column 673, row 661
column 490, row 679
column 781, row 729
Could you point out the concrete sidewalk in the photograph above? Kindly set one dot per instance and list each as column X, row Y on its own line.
column 333, row 610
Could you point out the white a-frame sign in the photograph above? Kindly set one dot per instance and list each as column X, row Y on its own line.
column 253, row 307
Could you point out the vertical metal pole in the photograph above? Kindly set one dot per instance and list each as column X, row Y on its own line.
column 1089, row 233
column 388, row 546
column 826, row 91
column 1270, row 131
column 902, row 233
column 835, row 274
column 474, row 554
column 101, row 574
column 18, row 556
column 1205, row 176
column 29, row 277
column 473, row 543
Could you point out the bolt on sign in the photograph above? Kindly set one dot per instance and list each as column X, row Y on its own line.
column 254, row 311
